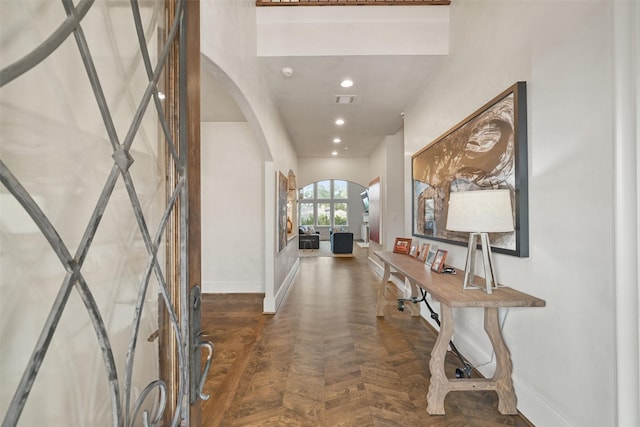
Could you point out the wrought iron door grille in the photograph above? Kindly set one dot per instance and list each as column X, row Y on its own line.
column 130, row 404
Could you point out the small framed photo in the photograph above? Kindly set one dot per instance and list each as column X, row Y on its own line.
column 402, row 245
column 430, row 256
column 414, row 250
column 438, row 261
column 422, row 252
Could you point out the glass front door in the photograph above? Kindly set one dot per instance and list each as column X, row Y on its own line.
column 93, row 214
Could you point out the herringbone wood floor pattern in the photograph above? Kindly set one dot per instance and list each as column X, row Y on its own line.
column 325, row 359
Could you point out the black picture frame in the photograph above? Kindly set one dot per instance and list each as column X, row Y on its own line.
column 487, row 150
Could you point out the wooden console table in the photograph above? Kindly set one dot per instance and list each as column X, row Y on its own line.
column 447, row 290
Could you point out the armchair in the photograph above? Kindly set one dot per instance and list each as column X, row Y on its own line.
column 342, row 243
column 308, row 238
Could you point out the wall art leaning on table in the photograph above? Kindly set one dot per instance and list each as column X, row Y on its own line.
column 487, row 150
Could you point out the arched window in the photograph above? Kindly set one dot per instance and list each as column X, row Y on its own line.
column 325, row 203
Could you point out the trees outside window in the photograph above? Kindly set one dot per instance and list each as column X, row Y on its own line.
column 307, row 192
column 307, row 216
column 340, row 214
column 324, row 213
column 325, row 203
column 340, row 190
column 324, row 190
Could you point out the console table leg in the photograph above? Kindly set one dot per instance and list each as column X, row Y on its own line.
column 502, row 376
column 415, row 308
column 382, row 302
column 439, row 384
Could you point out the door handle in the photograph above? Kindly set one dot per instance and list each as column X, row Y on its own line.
column 205, row 372
column 198, row 342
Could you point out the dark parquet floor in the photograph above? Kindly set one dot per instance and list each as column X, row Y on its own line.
column 326, row 360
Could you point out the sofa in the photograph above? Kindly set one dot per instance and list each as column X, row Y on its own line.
column 308, row 238
column 341, row 242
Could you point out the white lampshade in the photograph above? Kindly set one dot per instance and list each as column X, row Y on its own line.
column 482, row 211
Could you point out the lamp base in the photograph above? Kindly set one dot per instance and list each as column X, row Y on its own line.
column 487, row 259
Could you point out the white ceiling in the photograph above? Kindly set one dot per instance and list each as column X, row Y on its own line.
column 384, row 85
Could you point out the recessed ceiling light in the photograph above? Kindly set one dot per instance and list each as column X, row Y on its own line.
column 334, row 153
column 340, row 122
column 346, row 148
column 287, row 72
column 337, row 140
column 346, row 83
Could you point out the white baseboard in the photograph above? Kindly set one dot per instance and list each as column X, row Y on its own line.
column 535, row 409
column 529, row 403
column 270, row 304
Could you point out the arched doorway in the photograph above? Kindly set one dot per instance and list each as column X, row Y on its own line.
column 99, row 251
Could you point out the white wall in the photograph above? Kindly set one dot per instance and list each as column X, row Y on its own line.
column 228, row 41
column 232, row 209
column 354, row 169
column 387, row 163
column 563, row 354
column 380, row 30
column 626, row 87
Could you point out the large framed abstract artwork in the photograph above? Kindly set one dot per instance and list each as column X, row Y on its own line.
column 487, row 150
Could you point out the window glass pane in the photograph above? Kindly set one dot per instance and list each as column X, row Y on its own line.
column 340, row 189
column 324, row 213
column 340, row 214
column 307, row 192
column 324, row 190
column 306, row 214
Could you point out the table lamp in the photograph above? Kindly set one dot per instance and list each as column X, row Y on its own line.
column 479, row 213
